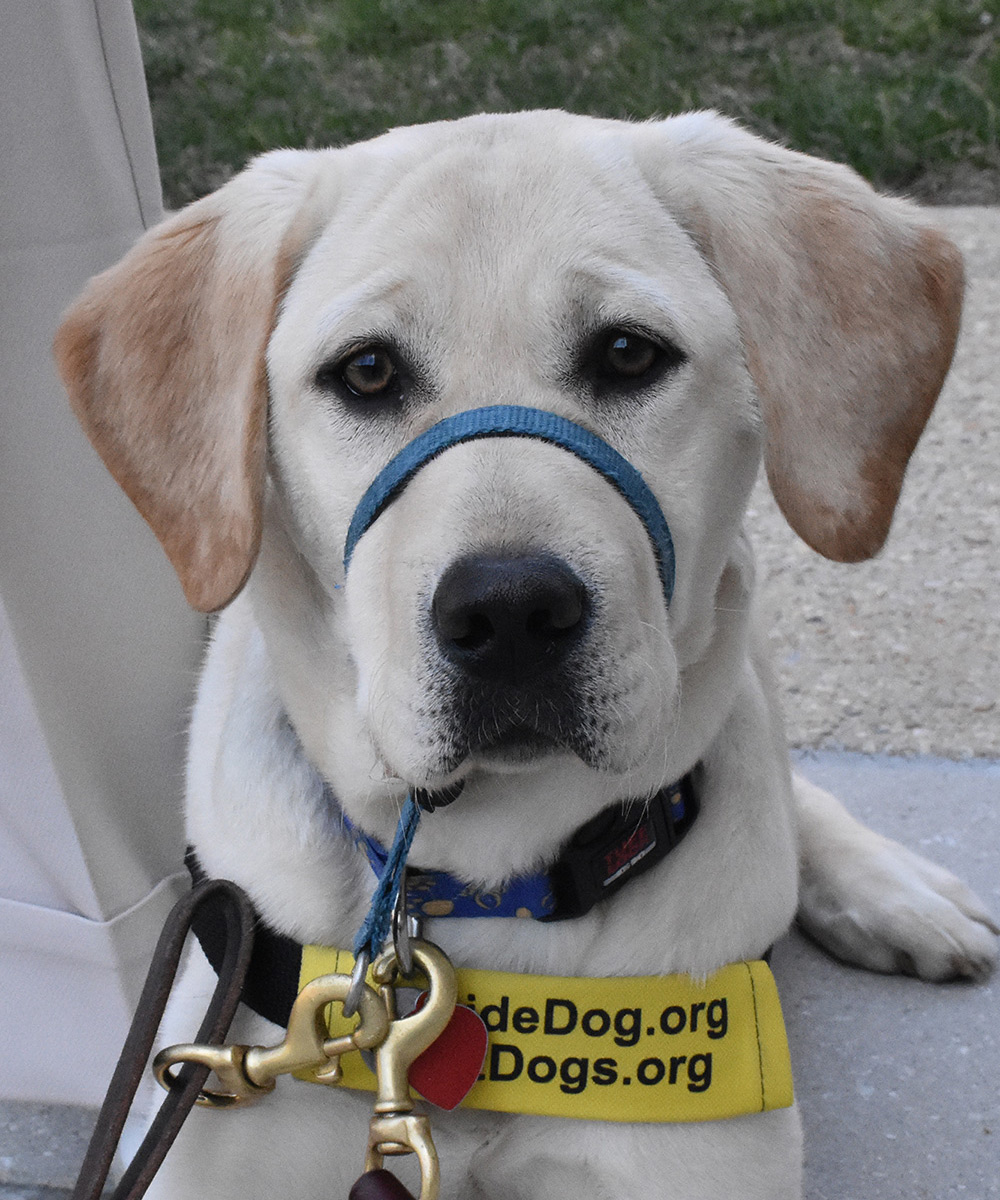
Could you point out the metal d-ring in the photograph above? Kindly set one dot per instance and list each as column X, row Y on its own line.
column 404, row 930
column 353, row 997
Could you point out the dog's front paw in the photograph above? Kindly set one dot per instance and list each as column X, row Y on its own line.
column 871, row 901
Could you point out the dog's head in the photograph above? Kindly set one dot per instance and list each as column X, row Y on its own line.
column 690, row 293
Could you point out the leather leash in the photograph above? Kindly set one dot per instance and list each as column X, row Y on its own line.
column 239, row 917
column 233, row 907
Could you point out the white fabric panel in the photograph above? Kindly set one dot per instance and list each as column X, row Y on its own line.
column 40, row 858
column 97, row 648
column 70, row 982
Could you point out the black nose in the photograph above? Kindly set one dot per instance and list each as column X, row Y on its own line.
column 509, row 618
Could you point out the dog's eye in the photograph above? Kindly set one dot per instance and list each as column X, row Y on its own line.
column 369, row 372
column 620, row 359
column 629, row 354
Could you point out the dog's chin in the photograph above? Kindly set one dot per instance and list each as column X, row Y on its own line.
column 447, row 757
column 509, row 743
column 517, row 749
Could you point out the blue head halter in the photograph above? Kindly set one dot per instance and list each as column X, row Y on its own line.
column 511, row 420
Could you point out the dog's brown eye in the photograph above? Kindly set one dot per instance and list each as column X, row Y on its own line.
column 617, row 361
column 630, row 354
column 369, row 372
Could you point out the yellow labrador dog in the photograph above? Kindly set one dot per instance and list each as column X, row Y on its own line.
column 697, row 299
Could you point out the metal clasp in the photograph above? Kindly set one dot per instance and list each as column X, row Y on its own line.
column 395, row 1128
column 248, row 1072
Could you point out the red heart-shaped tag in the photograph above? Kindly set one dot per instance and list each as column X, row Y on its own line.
column 448, row 1068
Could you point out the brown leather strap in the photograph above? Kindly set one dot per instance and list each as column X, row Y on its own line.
column 379, row 1185
column 238, row 915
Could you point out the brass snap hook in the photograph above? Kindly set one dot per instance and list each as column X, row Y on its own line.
column 395, row 1128
column 248, row 1072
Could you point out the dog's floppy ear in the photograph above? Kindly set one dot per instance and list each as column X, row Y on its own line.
column 848, row 304
column 163, row 356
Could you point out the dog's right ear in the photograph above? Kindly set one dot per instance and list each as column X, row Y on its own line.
column 848, row 305
column 163, row 357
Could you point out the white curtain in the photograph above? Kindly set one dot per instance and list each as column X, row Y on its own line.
column 97, row 648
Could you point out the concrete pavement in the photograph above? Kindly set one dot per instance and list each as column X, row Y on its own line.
column 898, row 1081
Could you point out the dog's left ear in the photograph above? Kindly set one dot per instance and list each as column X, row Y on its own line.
column 848, row 304
column 163, row 359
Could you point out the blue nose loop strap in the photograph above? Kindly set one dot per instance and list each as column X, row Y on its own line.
column 511, row 420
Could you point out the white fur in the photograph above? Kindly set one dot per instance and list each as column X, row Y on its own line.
column 489, row 249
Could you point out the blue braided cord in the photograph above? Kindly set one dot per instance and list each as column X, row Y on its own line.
column 511, row 420
column 374, row 933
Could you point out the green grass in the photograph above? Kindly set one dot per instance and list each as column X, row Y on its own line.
column 906, row 91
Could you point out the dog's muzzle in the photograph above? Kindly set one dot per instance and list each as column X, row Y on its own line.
column 511, row 625
column 510, row 420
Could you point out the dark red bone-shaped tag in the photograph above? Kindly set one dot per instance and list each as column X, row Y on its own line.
column 447, row 1069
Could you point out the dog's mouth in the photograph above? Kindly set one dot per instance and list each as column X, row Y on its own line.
column 508, row 749
column 514, row 745
column 517, row 749
column 515, row 730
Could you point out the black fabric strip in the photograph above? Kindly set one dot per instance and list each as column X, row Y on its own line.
column 272, row 982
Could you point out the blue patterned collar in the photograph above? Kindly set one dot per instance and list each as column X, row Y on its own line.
column 616, row 846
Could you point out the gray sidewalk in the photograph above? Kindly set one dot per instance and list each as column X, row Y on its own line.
column 899, row 1081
